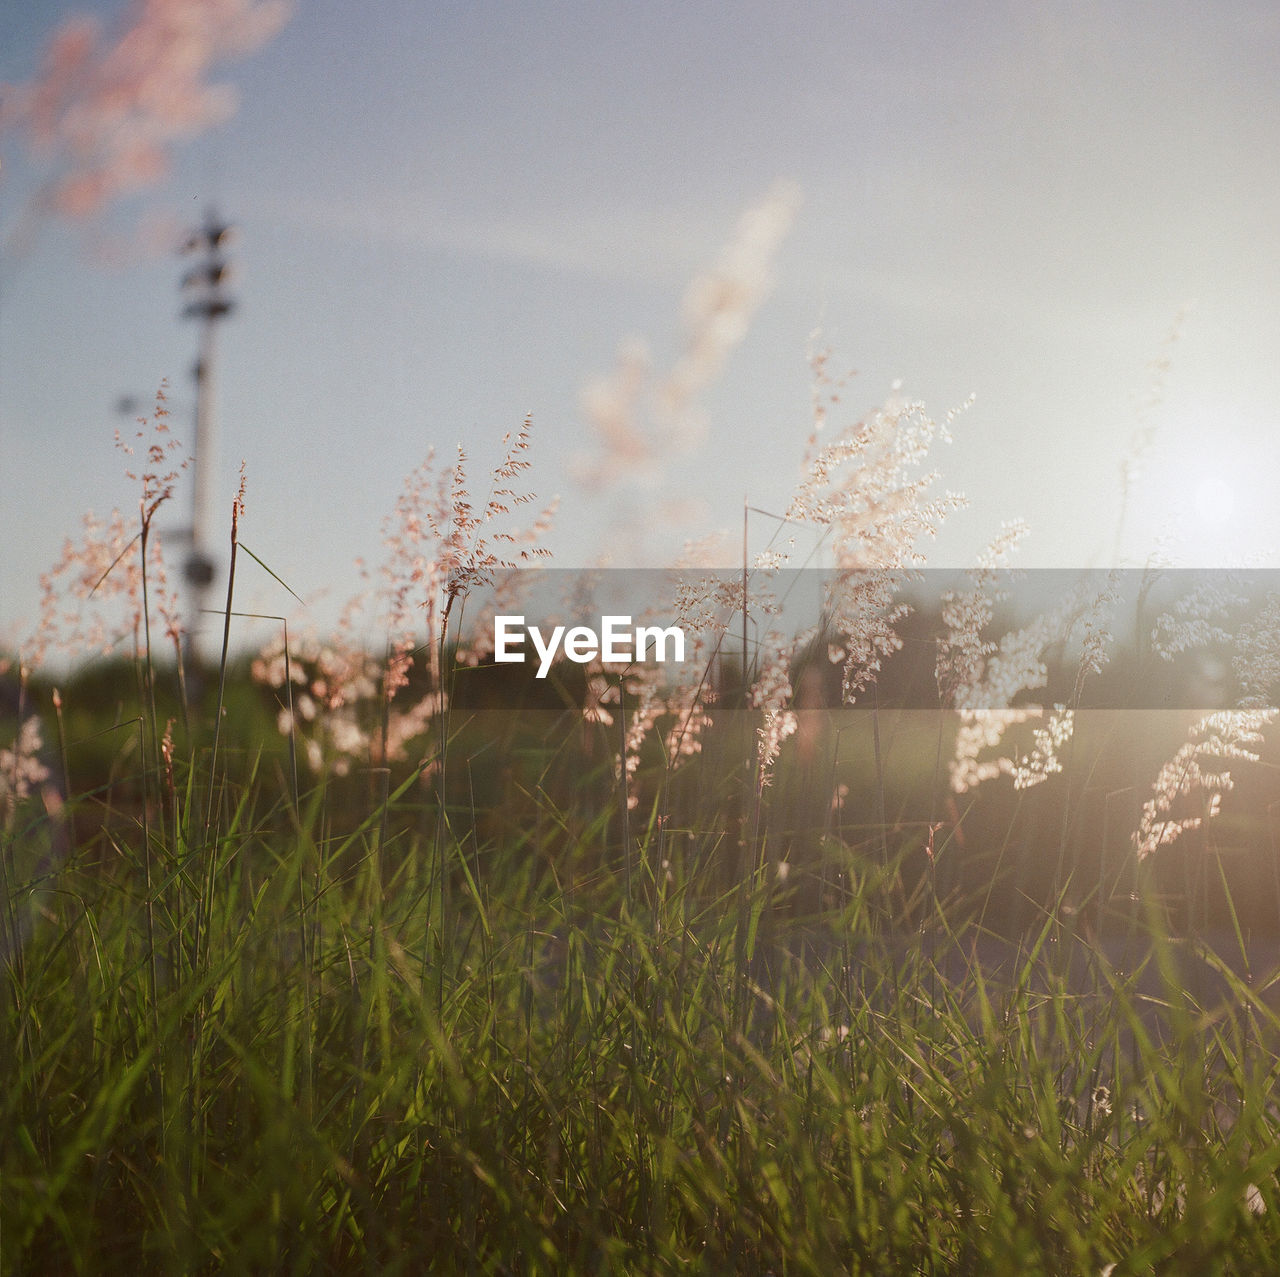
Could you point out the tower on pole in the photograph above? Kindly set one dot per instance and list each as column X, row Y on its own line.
column 205, row 284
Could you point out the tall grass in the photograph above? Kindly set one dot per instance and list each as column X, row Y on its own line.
column 269, row 1049
column 608, row 975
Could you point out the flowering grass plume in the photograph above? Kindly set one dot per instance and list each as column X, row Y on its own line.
column 440, row 549
column 869, row 490
column 1199, row 768
column 1197, row 619
column 1257, row 655
column 1016, row 666
column 639, row 420
column 772, row 694
column 106, row 108
column 93, row 598
column 679, row 703
column 21, row 771
column 1045, row 758
column 964, row 648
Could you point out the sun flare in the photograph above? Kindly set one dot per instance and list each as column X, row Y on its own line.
column 1215, row 501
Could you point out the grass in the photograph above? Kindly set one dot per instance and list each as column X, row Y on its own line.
column 466, row 974
column 365, row 1031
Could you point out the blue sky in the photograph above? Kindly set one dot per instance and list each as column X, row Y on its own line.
column 451, row 215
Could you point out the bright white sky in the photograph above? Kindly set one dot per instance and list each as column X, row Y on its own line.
column 452, row 214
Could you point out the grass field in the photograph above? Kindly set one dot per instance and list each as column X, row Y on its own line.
column 399, row 963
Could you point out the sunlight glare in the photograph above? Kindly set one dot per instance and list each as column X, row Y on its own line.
column 1215, row 501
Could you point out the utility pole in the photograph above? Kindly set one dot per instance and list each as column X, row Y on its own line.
column 205, row 283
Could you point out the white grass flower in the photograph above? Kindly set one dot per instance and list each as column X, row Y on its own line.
column 690, row 720
column 1257, row 655
column 104, row 571
column 1018, row 665
column 1045, row 757
column 772, row 693
column 1198, row 767
column 962, row 653
column 869, row 489
column 107, row 108
column 1196, row 619
column 980, row 731
column 21, row 770
column 600, row 691
column 641, row 420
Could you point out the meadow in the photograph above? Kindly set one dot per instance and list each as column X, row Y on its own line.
column 860, row 948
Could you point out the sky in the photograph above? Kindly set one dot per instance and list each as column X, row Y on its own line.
column 451, row 216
